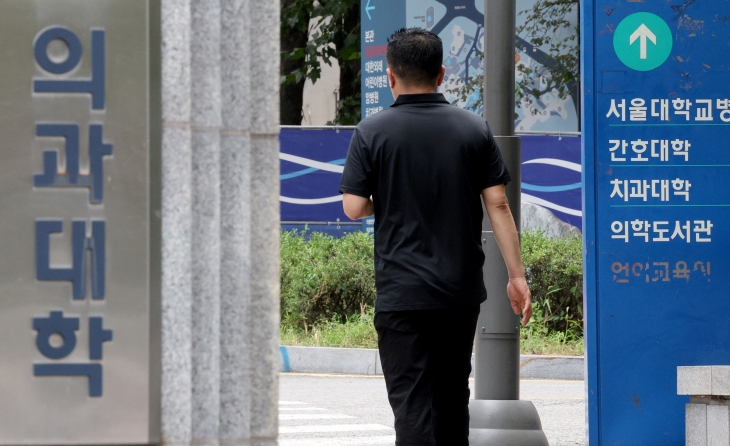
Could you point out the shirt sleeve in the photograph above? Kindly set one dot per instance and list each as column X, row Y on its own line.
column 492, row 170
column 358, row 174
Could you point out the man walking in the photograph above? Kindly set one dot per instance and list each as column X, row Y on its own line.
column 422, row 167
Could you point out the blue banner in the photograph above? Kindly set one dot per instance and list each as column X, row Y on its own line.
column 311, row 168
column 312, row 163
column 551, row 175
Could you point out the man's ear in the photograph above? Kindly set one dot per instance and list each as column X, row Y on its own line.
column 441, row 76
column 391, row 77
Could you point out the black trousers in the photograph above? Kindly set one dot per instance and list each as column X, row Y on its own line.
column 426, row 358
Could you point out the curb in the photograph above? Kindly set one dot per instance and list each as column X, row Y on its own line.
column 363, row 361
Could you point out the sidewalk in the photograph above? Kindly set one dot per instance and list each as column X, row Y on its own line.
column 361, row 361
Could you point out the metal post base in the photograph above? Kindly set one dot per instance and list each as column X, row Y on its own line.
column 505, row 423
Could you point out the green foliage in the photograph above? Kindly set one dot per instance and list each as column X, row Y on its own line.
column 348, row 110
column 337, row 38
column 328, row 291
column 356, row 332
column 555, row 276
column 325, row 279
column 538, row 339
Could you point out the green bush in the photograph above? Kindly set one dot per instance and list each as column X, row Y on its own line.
column 325, row 279
column 357, row 332
column 555, row 276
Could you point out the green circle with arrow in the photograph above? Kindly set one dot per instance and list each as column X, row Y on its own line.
column 643, row 41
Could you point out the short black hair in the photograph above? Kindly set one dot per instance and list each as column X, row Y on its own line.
column 415, row 56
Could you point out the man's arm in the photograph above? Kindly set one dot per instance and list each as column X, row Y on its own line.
column 505, row 232
column 357, row 207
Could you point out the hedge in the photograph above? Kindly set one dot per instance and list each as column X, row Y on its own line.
column 555, row 275
column 325, row 279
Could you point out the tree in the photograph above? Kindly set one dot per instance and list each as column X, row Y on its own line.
column 295, row 17
column 337, row 38
column 346, row 38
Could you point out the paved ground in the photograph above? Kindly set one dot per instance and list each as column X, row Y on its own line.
column 339, row 410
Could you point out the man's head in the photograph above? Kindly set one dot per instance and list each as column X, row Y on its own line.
column 414, row 61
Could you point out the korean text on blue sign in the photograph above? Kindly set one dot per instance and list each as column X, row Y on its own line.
column 379, row 20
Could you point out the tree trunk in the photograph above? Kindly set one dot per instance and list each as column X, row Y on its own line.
column 350, row 70
column 290, row 96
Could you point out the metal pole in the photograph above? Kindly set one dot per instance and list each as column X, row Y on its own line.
column 497, row 344
column 496, row 415
column 499, row 67
column 497, row 352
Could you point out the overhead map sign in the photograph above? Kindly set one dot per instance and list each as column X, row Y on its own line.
column 460, row 25
column 657, row 111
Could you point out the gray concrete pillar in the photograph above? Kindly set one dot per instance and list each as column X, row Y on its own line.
column 205, row 45
column 264, row 316
column 176, row 224
column 235, row 391
column 220, row 222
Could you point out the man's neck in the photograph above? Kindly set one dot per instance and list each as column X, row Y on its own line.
column 414, row 91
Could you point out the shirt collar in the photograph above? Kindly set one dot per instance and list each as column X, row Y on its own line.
column 422, row 98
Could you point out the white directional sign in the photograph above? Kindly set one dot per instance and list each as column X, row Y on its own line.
column 643, row 34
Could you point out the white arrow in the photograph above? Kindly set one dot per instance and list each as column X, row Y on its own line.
column 644, row 33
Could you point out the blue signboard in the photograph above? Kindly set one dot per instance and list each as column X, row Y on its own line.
column 656, row 111
column 379, row 19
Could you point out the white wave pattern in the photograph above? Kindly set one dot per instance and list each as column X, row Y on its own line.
column 556, row 162
column 311, row 163
column 310, row 201
column 339, row 169
column 317, row 165
column 544, row 203
column 547, row 204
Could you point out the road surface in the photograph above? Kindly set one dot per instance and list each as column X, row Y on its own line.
column 349, row 410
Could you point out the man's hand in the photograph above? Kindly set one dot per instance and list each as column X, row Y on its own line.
column 520, row 297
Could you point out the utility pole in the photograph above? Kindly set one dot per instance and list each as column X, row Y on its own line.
column 498, row 417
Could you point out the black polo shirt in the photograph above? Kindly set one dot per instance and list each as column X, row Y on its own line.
column 425, row 163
